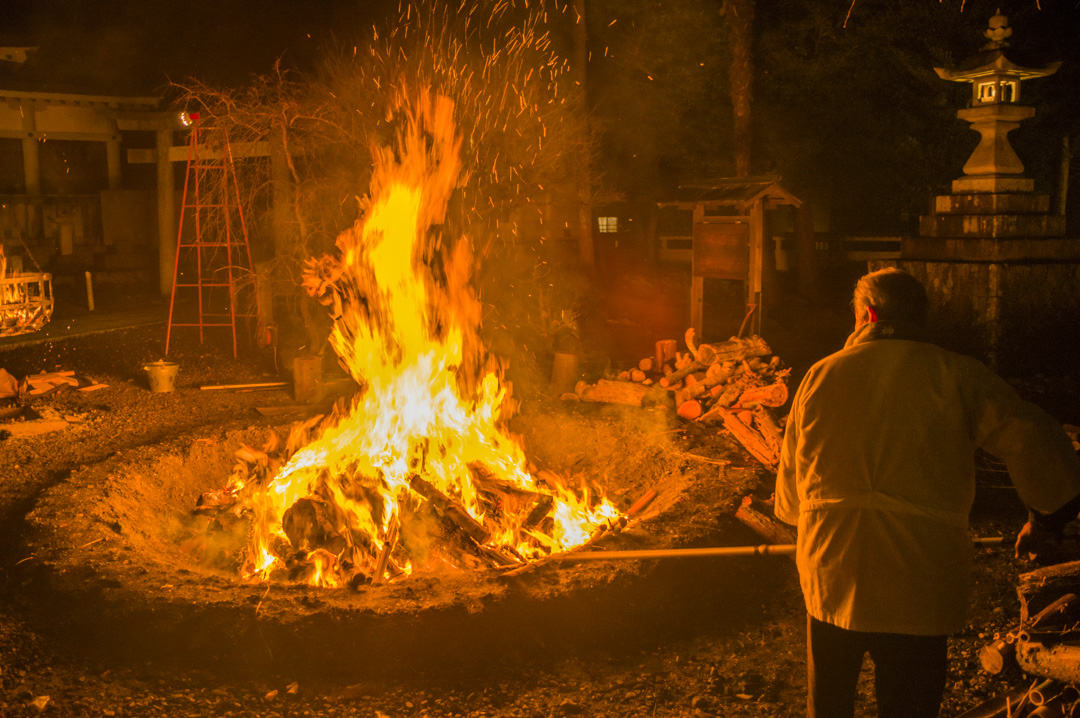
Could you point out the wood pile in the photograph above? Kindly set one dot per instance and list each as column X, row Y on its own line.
column 1045, row 643
column 737, row 383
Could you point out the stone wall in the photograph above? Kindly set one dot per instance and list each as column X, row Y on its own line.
column 1021, row 318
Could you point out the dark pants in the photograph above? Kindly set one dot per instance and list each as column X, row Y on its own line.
column 909, row 671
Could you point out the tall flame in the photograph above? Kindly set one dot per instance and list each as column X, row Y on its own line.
column 426, row 426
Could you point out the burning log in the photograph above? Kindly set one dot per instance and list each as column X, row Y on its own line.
column 389, row 542
column 215, row 502
column 450, row 509
column 309, row 525
column 632, row 513
column 508, row 498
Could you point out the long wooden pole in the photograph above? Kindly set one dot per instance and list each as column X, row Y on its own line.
column 784, row 549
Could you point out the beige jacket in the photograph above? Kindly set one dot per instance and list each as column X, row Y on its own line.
column 877, row 471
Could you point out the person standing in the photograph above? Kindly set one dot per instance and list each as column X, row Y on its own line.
column 877, row 471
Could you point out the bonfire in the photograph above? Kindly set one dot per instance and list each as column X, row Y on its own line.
column 418, row 473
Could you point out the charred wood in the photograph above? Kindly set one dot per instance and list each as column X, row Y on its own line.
column 450, row 509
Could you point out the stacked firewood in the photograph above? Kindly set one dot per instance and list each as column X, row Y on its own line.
column 735, row 382
column 1045, row 643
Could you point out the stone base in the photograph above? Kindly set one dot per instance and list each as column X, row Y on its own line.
column 992, row 184
column 1021, row 319
column 992, row 225
column 982, row 249
column 1004, row 203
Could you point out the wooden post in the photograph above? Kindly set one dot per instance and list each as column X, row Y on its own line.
column 757, row 236
column 697, row 285
column 166, row 211
column 804, row 250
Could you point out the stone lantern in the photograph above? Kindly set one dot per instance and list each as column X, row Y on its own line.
column 1000, row 270
column 995, row 110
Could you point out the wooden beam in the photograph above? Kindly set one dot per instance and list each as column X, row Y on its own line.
column 179, row 153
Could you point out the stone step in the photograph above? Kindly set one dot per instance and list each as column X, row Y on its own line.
column 993, row 226
column 994, row 203
column 984, row 250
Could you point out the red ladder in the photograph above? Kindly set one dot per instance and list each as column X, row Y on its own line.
column 217, row 257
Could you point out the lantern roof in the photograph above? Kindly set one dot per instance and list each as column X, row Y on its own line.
column 992, row 58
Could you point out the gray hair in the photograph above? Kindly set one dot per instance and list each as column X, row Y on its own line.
column 894, row 295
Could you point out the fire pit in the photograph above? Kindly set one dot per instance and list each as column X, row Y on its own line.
column 113, row 570
column 395, row 530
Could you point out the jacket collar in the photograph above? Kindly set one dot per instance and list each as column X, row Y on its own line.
column 886, row 329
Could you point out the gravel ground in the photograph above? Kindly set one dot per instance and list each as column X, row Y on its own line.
column 754, row 667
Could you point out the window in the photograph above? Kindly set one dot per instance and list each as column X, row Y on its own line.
column 1008, row 91
column 987, row 91
column 608, row 225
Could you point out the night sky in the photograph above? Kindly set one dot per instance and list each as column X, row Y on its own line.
column 138, row 46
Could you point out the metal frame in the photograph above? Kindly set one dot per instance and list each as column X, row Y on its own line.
column 211, row 242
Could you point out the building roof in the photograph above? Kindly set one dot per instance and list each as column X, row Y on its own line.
column 729, row 192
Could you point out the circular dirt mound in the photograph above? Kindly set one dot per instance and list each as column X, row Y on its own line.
column 110, row 569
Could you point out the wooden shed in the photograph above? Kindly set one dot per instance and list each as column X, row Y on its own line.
column 729, row 225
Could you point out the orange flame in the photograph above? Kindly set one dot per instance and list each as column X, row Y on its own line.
column 406, row 322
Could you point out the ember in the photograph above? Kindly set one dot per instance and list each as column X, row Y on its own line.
column 417, row 474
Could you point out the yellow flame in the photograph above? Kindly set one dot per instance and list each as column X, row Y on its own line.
column 406, row 328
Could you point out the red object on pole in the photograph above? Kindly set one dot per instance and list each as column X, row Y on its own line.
column 215, row 260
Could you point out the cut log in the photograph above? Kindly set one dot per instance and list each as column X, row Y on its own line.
column 637, row 375
column 615, row 392
column 690, row 410
column 450, row 509
column 665, row 352
column 714, row 379
column 768, row 428
column 995, row 655
column 758, row 515
column 564, row 372
column 751, row 439
column 1044, row 586
column 1059, row 662
column 647, row 364
column 769, row 395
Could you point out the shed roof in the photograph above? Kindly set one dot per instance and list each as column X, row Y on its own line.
column 729, row 192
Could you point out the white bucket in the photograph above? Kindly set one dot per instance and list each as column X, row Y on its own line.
column 162, row 375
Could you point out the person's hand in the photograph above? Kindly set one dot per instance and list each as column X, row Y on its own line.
column 1034, row 539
